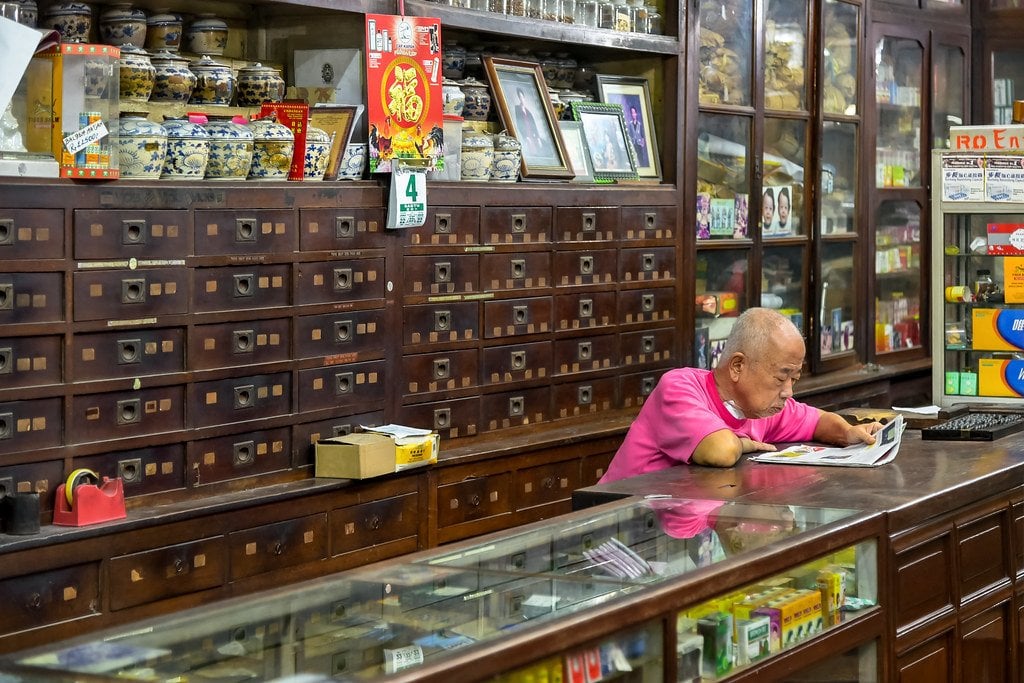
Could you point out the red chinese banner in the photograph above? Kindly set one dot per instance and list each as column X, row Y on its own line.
column 403, row 84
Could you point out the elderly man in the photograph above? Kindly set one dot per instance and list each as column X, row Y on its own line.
column 745, row 404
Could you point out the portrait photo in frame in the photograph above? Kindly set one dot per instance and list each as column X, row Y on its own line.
column 604, row 127
column 634, row 95
column 579, row 153
column 521, row 96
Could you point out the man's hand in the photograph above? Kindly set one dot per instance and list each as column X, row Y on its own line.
column 750, row 446
column 863, row 433
column 833, row 429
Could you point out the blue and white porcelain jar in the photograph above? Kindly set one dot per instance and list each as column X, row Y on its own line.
column 73, row 20
column 206, row 35
column 273, row 146
column 215, row 84
column 477, row 155
column 137, row 74
column 28, row 13
column 231, row 147
column 507, row 158
column 188, row 150
column 478, row 100
column 353, row 161
column 452, row 98
column 257, row 84
column 173, row 80
column 453, row 60
column 318, row 151
column 122, row 24
column 163, row 31
column 141, row 146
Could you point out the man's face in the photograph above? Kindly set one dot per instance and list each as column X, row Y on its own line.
column 764, row 383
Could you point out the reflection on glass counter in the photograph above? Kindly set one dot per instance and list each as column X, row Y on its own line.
column 726, row 47
column 782, row 198
column 723, row 177
column 897, row 276
column 841, row 22
column 415, row 612
column 785, row 59
column 898, row 77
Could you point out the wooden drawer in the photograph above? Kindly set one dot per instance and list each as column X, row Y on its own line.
column 587, row 397
column 648, row 346
column 515, row 408
column 634, row 388
column 519, row 270
column 593, row 468
column 651, row 264
column 49, row 597
column 545, row 484
column 1017, row 518
column 579, row 268
column 584, row 311
column 247, row 231
column 586, row 354
column 923, row 578
column 130, row 294
column 501, row 225
column 369, row 524
column 239, row 399
column 144, row 471
column 127, row 353
column 239, row 455
column 440, row 371
column 121, row 414
column 648, row 222
column 349, row 335
column 243, row 343
column 31, row 234
column 131, row 233
column 441, row 323
column 983, row 552
column 242, row 287
column 31, row 298
column 933, row 661
column 513, row 317
column 647, row 305
column 342, row 280
column 447, row 226
column 305, row 435
column 986, row 645
column 31, row 361
column 346, row 385
column 438, row 275
column 516, row 363
column 474, row 499
column 277, row 546
column 340, row 229
column 586, row 223
column 451, row 419
column 161, row 573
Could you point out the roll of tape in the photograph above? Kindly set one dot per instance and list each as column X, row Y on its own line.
column 82, row 475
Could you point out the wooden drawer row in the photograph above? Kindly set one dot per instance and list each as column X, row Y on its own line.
column 174, row 234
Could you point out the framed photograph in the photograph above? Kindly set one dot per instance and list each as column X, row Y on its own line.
column 604, row 127
column 338, row 121
column 579, row 153
column 634, row 95
column 521, row 96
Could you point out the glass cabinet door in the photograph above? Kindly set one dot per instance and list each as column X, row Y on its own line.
column 726, row 50
column 1007, row 85
column 723, row 177
column 898, row 80
column 785, row 55
column 783, row 278
column 838, row 309
column 949, row 77
column 898, row 291
column 840, row 47
column 782, row 195
column 722, row 289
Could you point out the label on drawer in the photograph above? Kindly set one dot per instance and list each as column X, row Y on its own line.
column 998, row 329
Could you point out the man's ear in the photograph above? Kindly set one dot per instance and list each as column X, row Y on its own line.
column 735, row 363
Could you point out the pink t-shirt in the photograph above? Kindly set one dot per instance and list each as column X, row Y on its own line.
column 683, row 409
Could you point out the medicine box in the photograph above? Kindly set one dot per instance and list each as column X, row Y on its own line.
column 997, row 329
column 362, row 455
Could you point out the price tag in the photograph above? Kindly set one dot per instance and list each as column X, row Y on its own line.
column 407, row 205
column 402, row 658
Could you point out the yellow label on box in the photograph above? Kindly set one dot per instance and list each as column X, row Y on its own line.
column 997, row 329
column 1013, row 279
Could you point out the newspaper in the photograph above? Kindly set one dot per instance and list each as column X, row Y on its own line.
column 887, row 444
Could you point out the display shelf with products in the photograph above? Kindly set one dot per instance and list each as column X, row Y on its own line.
column 597, row 588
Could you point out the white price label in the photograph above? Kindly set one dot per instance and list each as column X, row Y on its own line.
column 407, row 205
column 402, row 658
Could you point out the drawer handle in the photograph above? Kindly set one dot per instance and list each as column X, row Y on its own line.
column 474, row 500
column 374, row 522
column 35, row 601
column 278, row 548
column 179, row 566
column 548, row 483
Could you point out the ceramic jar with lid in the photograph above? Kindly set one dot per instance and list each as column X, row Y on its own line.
column 477, row 155
column 141, row 146
column 231, row 147
column 188, row 150
column 215, row 83
column 508, row 154
column 318, row 152
column 173, row 81
column 163, row 31
column 28, row 13
column 257, row 84
column 478, row 100
column 453, row 60
column 206, row 35
column 353, row 161
column 273, row 145
column 452, row 97
column 137, row 74
column 73, row 20
column 122, row 24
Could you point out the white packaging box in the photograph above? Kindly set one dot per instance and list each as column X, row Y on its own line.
column 1004, row 179
column 963, row 178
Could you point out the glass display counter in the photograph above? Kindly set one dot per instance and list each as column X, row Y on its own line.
column 602, row 592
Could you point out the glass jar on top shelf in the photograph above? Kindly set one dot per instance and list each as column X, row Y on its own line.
column 723, row 177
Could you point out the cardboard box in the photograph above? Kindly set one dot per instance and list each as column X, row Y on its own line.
column 997, row 329
column 362, row 455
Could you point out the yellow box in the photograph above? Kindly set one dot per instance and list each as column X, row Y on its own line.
column 997, row 329
column 362, row 455
column 1000, row 377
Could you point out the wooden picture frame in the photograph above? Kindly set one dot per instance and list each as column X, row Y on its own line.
column 604, row 127
column 579, row 153
column 521, row 97
column 338, row 120
column 634, row 95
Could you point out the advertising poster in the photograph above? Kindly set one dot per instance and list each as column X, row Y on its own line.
column 403, row 85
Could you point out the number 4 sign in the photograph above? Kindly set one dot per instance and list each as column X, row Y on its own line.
column 407, row 204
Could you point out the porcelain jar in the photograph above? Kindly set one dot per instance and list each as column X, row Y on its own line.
column 206, row 35
column 141, row 146
column 257, row 84
column 122, row 24
column 452, row 98
column 508, row 155
column 318, row 152
column 453, row 60
column 353, row 161
column 73, row 20
column 215, row 84
column 231, row 148
column 273, row 146
column 163, row 31
column 478, row 100
column 28, row 13
column 477, row 155
column 173, row 80
column 137, row 74
column 188, row 150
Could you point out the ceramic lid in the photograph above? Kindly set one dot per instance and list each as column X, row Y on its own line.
column 317, row 135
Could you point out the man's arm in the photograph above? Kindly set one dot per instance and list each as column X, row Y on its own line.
column 833, row 429
column 723, row 448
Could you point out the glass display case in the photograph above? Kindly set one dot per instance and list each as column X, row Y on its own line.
column 591, row 591
column 898, row 294
column 899, row 64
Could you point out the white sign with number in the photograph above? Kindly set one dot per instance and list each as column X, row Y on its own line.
column 407, row 205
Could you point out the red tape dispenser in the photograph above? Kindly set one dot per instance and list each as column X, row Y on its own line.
column 84, row 499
